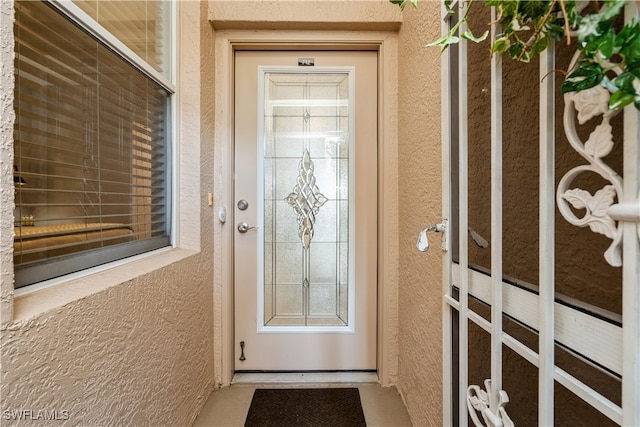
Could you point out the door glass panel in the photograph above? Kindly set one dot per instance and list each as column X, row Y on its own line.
column 306, row 175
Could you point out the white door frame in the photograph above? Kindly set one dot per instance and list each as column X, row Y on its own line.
column 385, row 43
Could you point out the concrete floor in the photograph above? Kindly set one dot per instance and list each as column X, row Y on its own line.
column 228, row 406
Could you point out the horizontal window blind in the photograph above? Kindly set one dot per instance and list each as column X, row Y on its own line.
column 142, row 25
column 90, row 149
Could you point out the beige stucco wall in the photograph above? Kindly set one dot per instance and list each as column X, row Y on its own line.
column 141, row 343
column 420, row 205
column 132, row 344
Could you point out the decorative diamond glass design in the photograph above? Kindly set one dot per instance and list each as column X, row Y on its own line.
column 306, row 198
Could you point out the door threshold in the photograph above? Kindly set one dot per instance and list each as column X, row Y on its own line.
column 304, row 377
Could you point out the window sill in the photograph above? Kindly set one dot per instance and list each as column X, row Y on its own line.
column 42, row 297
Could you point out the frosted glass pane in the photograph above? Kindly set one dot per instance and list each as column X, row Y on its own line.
column 327, row 224
column 344, row 257
column 286, row 223
column 288, row 264
column 324, row 263
column 286, row 175
column 329, row 144
column 288, row 146
column 323, row 300
column 344, row 221
column 287, row 136
column 268, row 264
column 327, row 176
column 306, row 206
column 281, row 96
column 268, row 303
column 269, row 212
column 324, row 124
column 288, row 300
column 325, row 321
column 288, row 126
column 343, row 301
column 268, row 178
column 343, row 179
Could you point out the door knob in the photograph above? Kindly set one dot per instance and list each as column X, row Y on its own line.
column 243, row 227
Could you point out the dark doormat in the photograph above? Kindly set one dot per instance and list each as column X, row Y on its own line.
column 317, row 407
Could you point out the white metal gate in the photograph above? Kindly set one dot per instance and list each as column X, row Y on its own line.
column 588, row 353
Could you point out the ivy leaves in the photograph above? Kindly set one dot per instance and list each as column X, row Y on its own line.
column 451, row 37
column 608, row 58
column 603, row 52
column 403, row 3
column 528, row 27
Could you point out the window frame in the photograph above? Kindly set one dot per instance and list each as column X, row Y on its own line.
column 27, row 277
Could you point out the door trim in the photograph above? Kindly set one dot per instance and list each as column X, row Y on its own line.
column 386, row 44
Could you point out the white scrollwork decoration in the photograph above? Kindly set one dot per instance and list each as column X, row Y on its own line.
column 479, row 401
column 587, row 105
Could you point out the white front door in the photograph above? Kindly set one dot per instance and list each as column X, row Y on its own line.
column 305, row 210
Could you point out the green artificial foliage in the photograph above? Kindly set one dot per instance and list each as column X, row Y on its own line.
column 608, row 56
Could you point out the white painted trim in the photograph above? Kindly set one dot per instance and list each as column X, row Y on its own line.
column 546, row 260
column 75, row 287
column 351, row 318
column 94, row 28
column 388, row 228
column 571, row 326
column 586, row 393
column 631, row 264
column 463, row 226
column 305, row 378
column 223, row 232
column 496, row 221
column 386, row 44
column 126, row 262
column 445, row 126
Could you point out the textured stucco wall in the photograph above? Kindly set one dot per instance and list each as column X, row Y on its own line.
column 304, row 14
column 131, row 345
column 420, row 200
column 7, row 117
column 135, row 354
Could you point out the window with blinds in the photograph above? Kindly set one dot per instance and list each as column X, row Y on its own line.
column 142, row 25
column 91, row 168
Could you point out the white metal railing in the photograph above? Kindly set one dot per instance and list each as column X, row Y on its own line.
column 546, row 338
column 463, row 224
column 496, row 399
column 614, row 348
